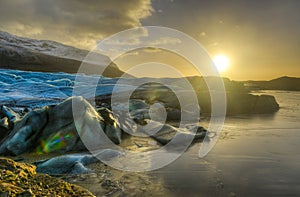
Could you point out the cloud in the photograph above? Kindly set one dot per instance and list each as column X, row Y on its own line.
column 127, row 38
column 203, row 34
column 165, row 41
column 73, row 22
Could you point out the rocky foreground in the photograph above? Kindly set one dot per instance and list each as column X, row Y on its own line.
column 21, row 179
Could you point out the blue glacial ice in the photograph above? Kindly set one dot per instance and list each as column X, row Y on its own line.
column 38, row 89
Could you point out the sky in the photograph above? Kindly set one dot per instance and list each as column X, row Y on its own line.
column 260, row 37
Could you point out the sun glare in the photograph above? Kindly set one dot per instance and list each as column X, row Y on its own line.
column 221, row 62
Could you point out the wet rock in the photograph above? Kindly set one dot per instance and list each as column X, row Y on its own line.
column 65, row 164
column 56, row 128
column 73, row 163
column 136, row 104
column 4, row 128
column 168, row 132
column 24, row 135
column 173, row 114
column 111, row 128
column 11, row 116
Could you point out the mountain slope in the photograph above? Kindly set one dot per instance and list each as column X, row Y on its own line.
column 48, row 56
column 282, row 83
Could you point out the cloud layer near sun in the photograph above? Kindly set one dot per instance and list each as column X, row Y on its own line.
column 72, row 22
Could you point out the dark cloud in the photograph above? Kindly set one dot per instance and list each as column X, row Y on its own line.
column 73, row 22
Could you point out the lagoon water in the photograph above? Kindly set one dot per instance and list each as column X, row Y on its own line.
column 256, row 155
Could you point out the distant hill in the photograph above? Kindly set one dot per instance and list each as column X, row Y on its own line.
column 282, row 83
column 47, row 56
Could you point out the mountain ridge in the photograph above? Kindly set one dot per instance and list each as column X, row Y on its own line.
column 48, row 56
column 280, row 83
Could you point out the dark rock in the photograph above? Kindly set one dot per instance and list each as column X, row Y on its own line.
column 3, row 132
column 11, row 116
column 53, row 128
column 111, row 127
column 71, row 164
column 266, row 104
column 25, row 133
column 168, row 132
column 251, row 104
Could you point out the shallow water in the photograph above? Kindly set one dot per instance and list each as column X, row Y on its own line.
column 256, row 155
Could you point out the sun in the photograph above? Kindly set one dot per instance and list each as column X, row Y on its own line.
column 221, row 62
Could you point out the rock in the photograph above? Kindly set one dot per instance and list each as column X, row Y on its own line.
column 21, row 179
column 139, row 111
column 7, row 189
column 173, row 114
column 27, row 193
column 167, row 133
column 53, row 128
column 156, row 95
column 251, row 104
column 25, row 133
column 11, row 116
column 136, row 104
column 4, row 128
column 73, row 163
column 111, row 127
column 71, row 126
column 265, row 104
column 240, row 103
column 4, row 123
column 65, row 164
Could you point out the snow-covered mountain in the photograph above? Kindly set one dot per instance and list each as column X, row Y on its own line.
column 45, row 55
column 47, row 47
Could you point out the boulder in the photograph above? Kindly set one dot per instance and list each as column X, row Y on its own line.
column 168, row 132
column 53, row 128
column 4, row 127
column 265, row 104
column 25, row 133
column 73, row 163
column 251, row 104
